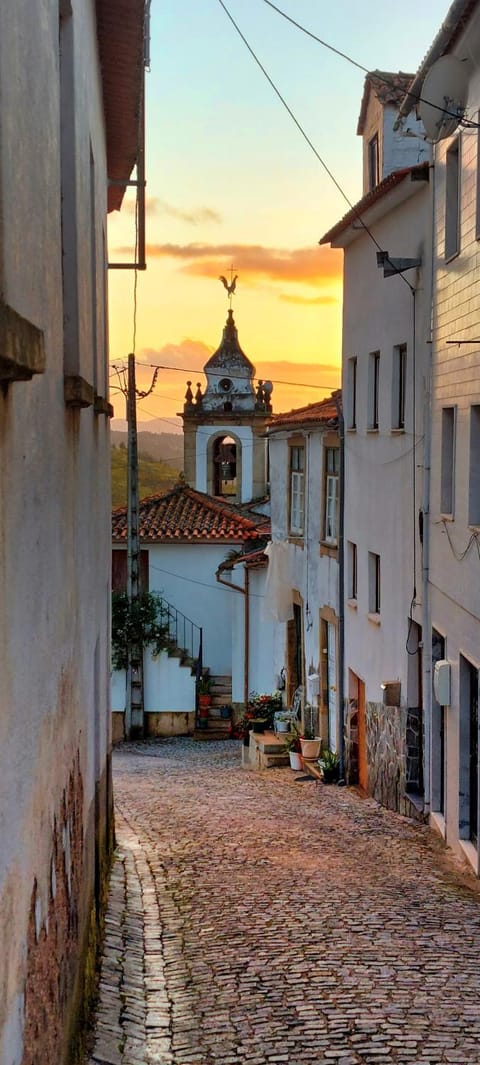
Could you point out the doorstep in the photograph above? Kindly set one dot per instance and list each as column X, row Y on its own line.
column 265, row 751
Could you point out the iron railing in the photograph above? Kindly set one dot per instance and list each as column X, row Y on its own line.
column 184, row 634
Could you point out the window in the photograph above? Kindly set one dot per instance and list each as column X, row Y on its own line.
column 373, row 583
column 351, row 570
column 373, row 389
column 452, row 201
column 297, row 489
column 332, row 470
column 352, row 393
column 373, row 163
column 474, row 475
column 448, row 461
column 399, row 385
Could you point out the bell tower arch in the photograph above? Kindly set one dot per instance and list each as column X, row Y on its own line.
column 224, row 425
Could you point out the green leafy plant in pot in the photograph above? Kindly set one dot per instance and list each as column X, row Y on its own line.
column 292, row 745
column 330, row 765
column 204, row 692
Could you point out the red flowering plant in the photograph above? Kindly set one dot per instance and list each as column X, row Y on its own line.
column 258, row 706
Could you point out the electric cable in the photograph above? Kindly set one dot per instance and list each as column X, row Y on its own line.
column 311, row 145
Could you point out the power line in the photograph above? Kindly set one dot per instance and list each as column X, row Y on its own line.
column 235, row 377
column 312, row 146
column 376, row 73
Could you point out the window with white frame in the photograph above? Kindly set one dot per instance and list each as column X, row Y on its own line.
column 352, row 393
column 351, row 570
column 373, row 389
column 447, row 473
column 373, row 583
column 399, row 386
column 297, row 489
column 331, row 495
column 452, row 201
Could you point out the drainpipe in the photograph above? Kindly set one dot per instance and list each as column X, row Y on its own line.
column 246, row 619
column 427, row 449
column 341, row 585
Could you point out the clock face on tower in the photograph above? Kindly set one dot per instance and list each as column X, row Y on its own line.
column 225, row 385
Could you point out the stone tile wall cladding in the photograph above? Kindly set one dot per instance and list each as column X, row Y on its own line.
column 386, row 734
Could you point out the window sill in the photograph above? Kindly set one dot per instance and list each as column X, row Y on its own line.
column 452, row 256
column 352, row 603
column 296, row 538
column 351, row 428
column 77, row 391
column 398, row 430
column 375, row 619
column 22, row 347
column 447, row 517
column 373, row 430
column 328, row 550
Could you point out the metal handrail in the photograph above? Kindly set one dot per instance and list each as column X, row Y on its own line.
column 185, row 635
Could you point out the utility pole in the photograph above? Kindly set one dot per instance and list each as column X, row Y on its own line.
column 134, row 723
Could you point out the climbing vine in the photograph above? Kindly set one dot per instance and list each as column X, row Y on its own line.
column 137, row 624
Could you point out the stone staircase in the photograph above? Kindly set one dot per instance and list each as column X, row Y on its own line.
column 217, row 728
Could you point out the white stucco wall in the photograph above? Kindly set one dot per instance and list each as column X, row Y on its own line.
column 381, row 515
column 313, row 575
column 54, row 491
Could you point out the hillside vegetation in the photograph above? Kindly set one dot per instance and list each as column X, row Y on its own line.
column 153, row 475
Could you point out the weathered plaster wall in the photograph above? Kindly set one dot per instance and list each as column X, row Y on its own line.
column 54, row 546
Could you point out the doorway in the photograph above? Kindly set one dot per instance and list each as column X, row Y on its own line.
column 438, row 733
column 468, row 783
column 358, row 731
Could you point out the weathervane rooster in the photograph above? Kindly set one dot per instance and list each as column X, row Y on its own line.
column 229, row 287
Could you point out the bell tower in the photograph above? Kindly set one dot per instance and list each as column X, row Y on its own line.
column 224, row 426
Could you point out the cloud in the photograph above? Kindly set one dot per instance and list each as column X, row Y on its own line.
column 195, row 216
column 307, row 301
column 254, row 262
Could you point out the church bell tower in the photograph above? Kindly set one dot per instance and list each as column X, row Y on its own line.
column 225, row 450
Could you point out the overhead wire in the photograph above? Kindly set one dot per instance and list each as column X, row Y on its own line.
column 311, row 145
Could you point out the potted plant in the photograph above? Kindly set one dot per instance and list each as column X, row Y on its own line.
column 204, row 692
column 225, row 712
column 330, row 765
column 292, row 745
column 310, row 745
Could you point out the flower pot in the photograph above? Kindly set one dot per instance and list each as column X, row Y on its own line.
column 225, row 713
column 203, row 722
column 295, row 759
column 282, row 726
column 258, row 724
column 310, row 749
column 330, row 776
column 204, row 701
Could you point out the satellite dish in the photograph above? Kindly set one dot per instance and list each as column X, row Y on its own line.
column 443, row 97
column 268, row 387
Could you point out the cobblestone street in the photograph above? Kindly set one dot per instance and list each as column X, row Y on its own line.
column 258, row 919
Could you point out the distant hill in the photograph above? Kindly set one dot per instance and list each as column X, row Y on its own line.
column 162, row 447
column 153, row 476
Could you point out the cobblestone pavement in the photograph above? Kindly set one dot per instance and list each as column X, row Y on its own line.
column 258, row 919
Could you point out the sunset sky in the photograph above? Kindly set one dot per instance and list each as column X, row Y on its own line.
column 230, row 180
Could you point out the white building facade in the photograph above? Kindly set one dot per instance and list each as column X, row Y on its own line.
column 59, row 88
column 385, row 368
column 304, row 450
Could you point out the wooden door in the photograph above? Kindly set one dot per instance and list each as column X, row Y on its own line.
column 362, row 738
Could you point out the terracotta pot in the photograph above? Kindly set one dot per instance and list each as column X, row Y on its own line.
column 310, row 749
column 204, row 701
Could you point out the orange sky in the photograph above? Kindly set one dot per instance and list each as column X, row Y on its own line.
column 232, row 182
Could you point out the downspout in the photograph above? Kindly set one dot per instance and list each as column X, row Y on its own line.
column 246, row 619
column 341, row 585
column 427, row 449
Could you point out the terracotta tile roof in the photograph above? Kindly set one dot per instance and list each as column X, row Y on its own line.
column 251, row 558
column 184, row 515
column 120, row 31
column 323, row 413
column 389, row 88
column 367, row 201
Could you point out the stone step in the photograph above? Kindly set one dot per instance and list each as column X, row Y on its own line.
column 211, row 734
column 272, row 760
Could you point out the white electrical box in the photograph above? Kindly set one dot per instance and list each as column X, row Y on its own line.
column 441, row 682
